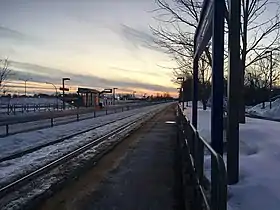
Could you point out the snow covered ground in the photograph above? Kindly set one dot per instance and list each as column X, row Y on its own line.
column 259, row 185
column 39, row 124
column 28, row 100
column 70, row 116
column 23, row 141
column 11, row 169
column 273, row 113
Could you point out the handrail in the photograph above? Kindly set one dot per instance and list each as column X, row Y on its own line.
column 56, row 114
column 218, row 184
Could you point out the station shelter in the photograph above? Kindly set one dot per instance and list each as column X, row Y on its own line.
column 90, row 97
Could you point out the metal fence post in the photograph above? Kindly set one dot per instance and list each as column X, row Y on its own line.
column 217, row 77
column 94, row 113
column 51, row 122
column 106, row 111
column 199, row 157
column 78, row 117
column 234, row 84
column 195, row 92
column 7, row 129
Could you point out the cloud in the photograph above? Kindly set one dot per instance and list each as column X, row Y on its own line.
column 7, row 33
column 42, row 74
column 135, row 71
column 137, row 38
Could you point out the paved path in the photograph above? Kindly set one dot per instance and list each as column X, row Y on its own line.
column 145, row 179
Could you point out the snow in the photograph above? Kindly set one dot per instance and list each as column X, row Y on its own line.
column 273, row 113
column 11, row 169
column 29, row 102
column 20, row 198
column 39, row 124
column 23, row 141
column 259, row 185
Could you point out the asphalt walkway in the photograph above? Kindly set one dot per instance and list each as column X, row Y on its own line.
column 145, row 178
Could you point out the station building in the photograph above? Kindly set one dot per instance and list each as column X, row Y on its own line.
column 88, row 97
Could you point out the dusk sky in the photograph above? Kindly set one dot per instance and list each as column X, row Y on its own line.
column 98, row 44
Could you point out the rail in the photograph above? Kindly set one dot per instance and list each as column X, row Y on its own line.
column 12, row 186
column 192, row 144
column 129, row 126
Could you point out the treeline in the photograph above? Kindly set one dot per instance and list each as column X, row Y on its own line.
column 253, row 94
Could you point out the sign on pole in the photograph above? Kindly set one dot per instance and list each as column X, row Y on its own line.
column 65, row 89
column 211, row 25
column 203, row 32
column 107, row 91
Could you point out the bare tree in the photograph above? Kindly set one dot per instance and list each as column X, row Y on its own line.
column 5, row 72
column 257, row 76
column 178, row 19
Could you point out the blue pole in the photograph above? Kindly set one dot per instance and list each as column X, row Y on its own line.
column 195, row 92
column 234, row 86
column 217, row 76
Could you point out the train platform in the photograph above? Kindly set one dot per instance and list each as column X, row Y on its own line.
column 139, row 174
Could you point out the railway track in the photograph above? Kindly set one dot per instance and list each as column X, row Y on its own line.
column 31, row 123
column 13, row 192
column 14, row 147
column 33, row 149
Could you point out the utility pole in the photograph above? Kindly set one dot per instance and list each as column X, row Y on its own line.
column 25, row 87
column 270, row 77
column 25, row 81
column 182, row 79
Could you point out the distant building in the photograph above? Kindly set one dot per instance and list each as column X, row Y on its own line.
column 88, row 97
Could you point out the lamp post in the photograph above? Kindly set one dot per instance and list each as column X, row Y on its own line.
column 25, row 81
column 182, row 79
column 270, row 77
column 179, row 92
column 56, row 95
column 114, row 94
column 63, row 90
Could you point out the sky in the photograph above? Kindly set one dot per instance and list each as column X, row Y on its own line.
column 98, row 44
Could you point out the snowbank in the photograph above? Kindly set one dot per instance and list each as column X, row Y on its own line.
column 259, row 185
column 273, row 113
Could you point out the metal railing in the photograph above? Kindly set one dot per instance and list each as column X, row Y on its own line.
column 54, row 117
column 14, row 109
column 75, row 115
column 193, row 145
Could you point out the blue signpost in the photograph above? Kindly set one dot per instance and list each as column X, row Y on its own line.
column 234, row 84
column 211, row 24
column 217, row 76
